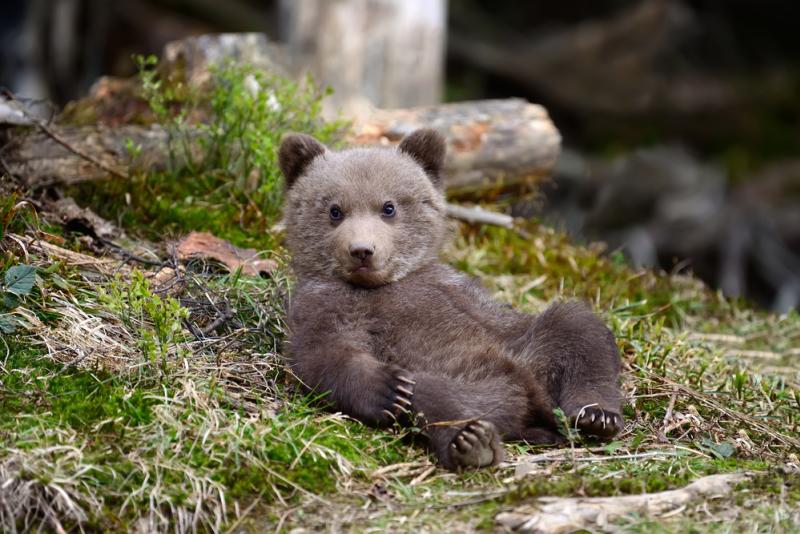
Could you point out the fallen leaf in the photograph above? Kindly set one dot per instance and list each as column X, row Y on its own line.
column 19, row 279
column 205, row 245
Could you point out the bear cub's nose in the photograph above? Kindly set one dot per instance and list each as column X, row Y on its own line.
column 362, row 251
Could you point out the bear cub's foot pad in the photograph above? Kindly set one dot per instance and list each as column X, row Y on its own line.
column 476, row 445
column 594, row 421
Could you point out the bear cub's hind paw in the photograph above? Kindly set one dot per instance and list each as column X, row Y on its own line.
column 594, row 421
column 476, row 445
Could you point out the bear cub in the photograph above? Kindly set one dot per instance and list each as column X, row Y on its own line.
column 390, row 334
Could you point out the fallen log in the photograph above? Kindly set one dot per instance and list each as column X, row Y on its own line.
column 492, row 144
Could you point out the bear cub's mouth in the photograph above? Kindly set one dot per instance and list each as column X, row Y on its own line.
column 365, row 274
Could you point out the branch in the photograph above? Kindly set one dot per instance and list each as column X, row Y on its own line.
column 553, row 514
column 63, row 142
column 478, row 215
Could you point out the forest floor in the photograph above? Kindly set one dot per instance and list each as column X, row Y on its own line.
column 152, row 396
column 138, row 391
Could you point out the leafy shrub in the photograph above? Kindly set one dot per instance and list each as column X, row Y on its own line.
column 156, row 319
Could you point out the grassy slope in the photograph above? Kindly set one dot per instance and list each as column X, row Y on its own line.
column 121, row 406
column 168, row 427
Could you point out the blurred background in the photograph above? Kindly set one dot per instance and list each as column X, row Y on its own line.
column 680, row 119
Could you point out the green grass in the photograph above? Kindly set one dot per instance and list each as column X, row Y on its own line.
column 185, row 432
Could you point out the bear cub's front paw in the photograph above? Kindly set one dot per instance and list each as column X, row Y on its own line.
column 594, row 421
column 396, row 391
column 476, row 445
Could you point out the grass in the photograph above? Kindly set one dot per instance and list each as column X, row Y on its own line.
column 210, row 431
column 157, row 398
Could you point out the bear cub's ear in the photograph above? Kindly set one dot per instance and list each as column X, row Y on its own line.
column 296, row 152
column 427, row 146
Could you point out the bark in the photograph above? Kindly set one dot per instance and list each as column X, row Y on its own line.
column 492, row 144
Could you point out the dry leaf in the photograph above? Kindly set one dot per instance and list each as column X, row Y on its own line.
column 205, row 245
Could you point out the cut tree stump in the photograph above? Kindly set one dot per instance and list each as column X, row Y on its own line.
column 492, row 144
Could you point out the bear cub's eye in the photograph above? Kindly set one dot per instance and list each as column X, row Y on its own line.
column 336, row 213
column 389, row 209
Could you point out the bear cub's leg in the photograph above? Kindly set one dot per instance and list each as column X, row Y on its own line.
column 576, row 352
column 465, row 420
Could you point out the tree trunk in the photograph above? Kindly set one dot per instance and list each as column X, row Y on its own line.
column 389, row 52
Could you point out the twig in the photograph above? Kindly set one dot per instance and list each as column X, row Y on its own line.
column 128, row 255
column 662, row 436
column 244, row 515
column 72, row 363
column 102, row 266
column 477, row 214
column 385, row 470
column 711, row 403
column 60, row 140
column 422, row 476
column 634, row 456
column 482, row 497
column 216, row 323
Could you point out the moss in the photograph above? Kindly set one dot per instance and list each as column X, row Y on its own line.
column 70, row 398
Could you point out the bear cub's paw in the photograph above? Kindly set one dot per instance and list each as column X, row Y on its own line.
column 397, row 392
column 594, row 421
column 476, row 445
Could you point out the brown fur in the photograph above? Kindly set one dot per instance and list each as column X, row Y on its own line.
column 393, row 333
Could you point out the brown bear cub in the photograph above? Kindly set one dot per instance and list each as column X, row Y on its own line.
column 389, row 333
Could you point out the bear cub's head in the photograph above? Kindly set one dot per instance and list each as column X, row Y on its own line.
column 368, row 216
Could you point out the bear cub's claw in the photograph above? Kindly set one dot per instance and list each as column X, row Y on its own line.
column 594, row 421
column 476, row 445
column 399, row 395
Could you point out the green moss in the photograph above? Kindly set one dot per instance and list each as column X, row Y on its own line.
column 35, row 386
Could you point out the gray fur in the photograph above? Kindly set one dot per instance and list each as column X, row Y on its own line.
column 400, row 336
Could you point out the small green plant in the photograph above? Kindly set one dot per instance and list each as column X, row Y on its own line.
column 222, row 139
column 157, row 320
column 18, row 282
column 15, row 214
